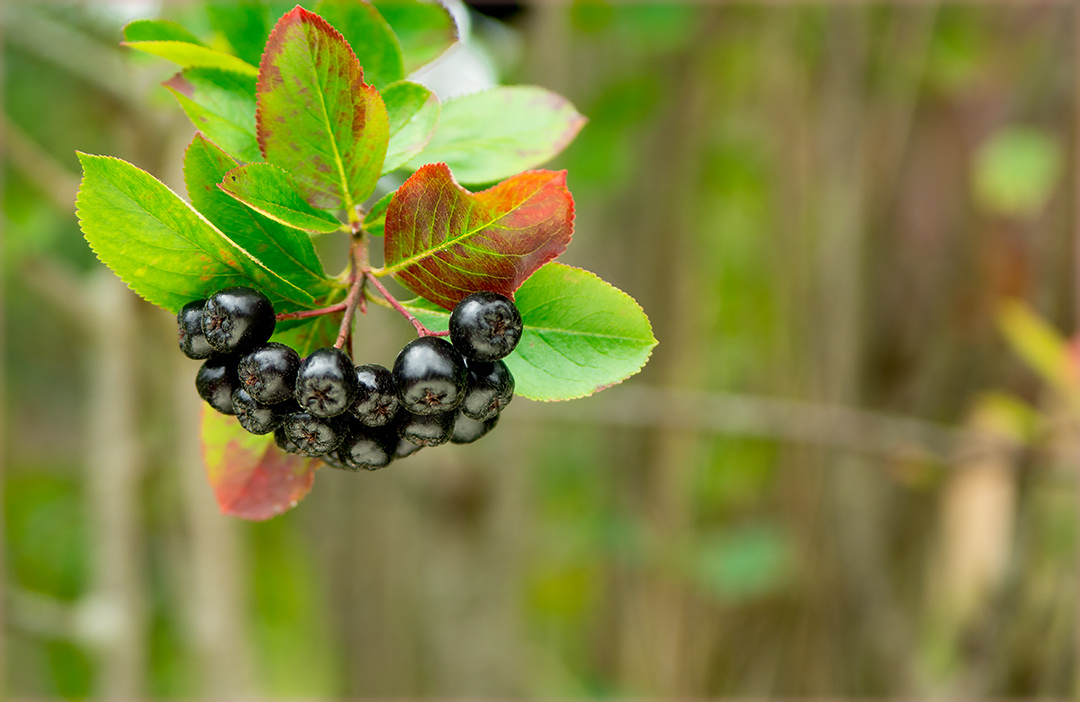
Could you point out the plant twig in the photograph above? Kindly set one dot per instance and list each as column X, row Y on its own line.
column 417, row 324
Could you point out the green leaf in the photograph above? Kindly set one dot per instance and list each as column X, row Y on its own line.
column 370, row 37
column 496, row 133
column 193, row 55
column 221, row 104
column 159, row 30
column 1016, row 171
column 581, row 334
column 251, row 477
column 245, row 24
column 443, row 242
column 424, row 29
column 306, row 335
column 413, row 112
column 161, row 247
column 375, row 219
column 284, row 249
column 316, row 117
column 1040, row 346
column 270, row 191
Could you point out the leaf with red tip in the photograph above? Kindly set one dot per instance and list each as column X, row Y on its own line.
column 316, row 117
column 252, row 478
column 444, row 242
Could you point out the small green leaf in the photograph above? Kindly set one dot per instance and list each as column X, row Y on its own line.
column 221, row 104
column 413, row 112
column 161, row 247
column 193, row 55
column 1016, row 171
column 270, row 191
column 158, row 30
column 245, row 24
column 581, row 334
column 375, row 219
column 491, row 135
column 316, row 116
column 288, row 251
column 251, row 477
column 424, row 29
column 370, row 37
column 443, row 242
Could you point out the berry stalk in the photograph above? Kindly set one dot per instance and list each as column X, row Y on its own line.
column 421, row 330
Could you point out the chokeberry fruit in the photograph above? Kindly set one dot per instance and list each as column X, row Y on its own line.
column 216, row 381
column 189, row 327
column 376, row 395
column 430, row 376
column 269, row 373
column 254, row 416
column 238, row 319
column 491, row 387
column 485, row 326
column 369, row 448
column 468, row 430
column 405, row 449
column 311, row 434
column 426, row 429
column 326, row 382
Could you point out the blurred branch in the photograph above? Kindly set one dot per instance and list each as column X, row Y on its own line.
column 60, row 285
column 38, row 165
column 793, row 421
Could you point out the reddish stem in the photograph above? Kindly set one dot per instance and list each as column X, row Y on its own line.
column 304, row 314
column 358, row 275
column 417, row 324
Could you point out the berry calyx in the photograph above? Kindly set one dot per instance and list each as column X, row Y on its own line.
column 376, row 395
column 189, row 331
column 238, row 319
column 269, row 373
column 216, row 381
column 485, row 326
column 313, row 435
column 491, row 387
column 326, row 382
column 430, row 376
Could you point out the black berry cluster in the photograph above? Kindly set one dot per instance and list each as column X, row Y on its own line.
column 351, row 416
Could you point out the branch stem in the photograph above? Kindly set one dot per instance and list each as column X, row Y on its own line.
column 417, row 324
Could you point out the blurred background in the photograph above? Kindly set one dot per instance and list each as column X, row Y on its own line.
column 849, row 469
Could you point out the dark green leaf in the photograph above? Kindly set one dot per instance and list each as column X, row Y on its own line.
column 491, row 135
column 424, row 29
column 221, row 104
column 245, row 24
column 161, row 247
column 370, row 37
column 270, row 191
column 413, row 112
column 284, row 249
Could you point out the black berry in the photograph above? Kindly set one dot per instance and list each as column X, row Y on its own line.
column 269, row 373
column 326, row 382
column 376, row 395
column 405, row 449
column 236, row 320
column 368, row 448
column 430, row 376
column 485, row 326
column 254, row 416
column 285, row 443
column 216, row 381
column 426, row 429
column 468, row 430
column 313, row 435
column 491, row 387
column 189, row 328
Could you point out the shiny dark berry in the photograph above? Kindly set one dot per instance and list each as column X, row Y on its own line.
column 216, row 381
column 426, row 429
column 430, row 376
column 368, row 448
column 313, row 435
column 254, row 416
column 285, row 443
column 491, row 387
column 269, row 373
column 326, row 382
column 405, row 449
column 376, row 395
column 189, row 330
column 485, row 326
column 236, row 320
column 331, row 459
column 468, row 430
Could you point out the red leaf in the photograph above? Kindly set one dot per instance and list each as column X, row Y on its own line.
column 443, row 242
column 315, row 115
column 251, row 477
